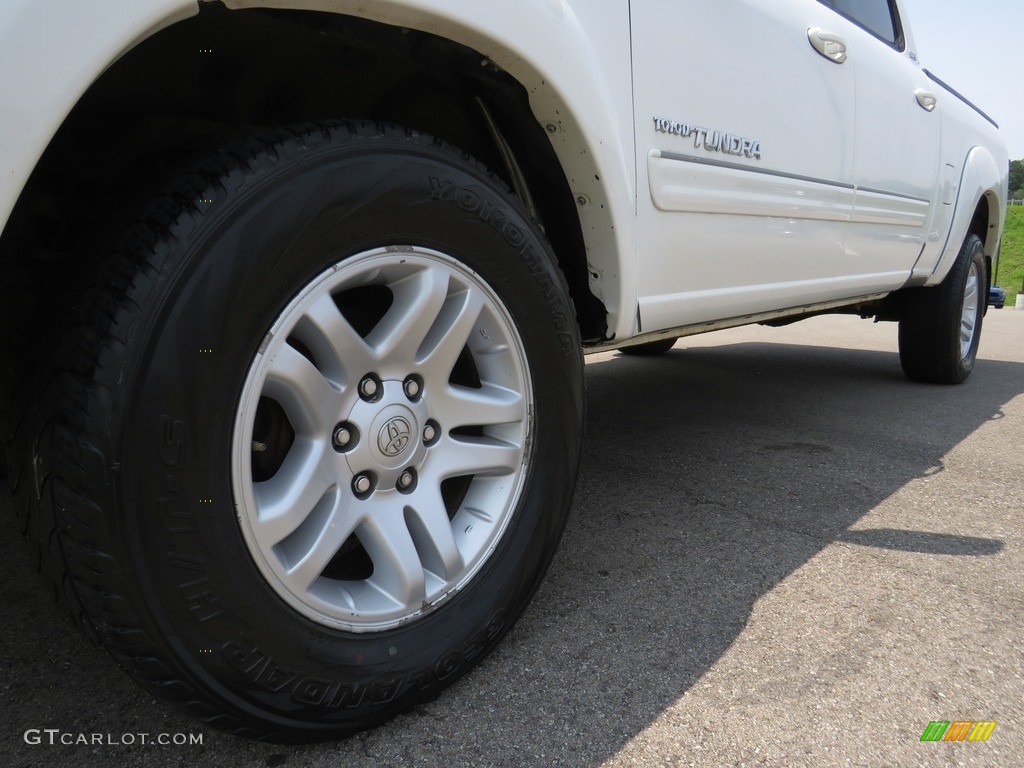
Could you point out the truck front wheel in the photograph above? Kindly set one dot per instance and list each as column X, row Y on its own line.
column 305, row 450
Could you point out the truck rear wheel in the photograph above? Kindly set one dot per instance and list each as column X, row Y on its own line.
column 940, row 327
column 306, row 449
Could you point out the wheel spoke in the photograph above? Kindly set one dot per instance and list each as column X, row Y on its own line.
column 441, row 349
column 460, row 456
column 342, row 352
column 339, row 524
column 457, row 406
column 418, row 300
column 306, row 396
column 432, row 533
column 967, row 330
column 397, row 570
column 286, row 500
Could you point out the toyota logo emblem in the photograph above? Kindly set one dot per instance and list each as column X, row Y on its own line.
column 394, row 436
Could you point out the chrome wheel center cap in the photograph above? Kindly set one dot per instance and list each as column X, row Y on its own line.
column 393, row 430
column 395, row 436
column 393, row 427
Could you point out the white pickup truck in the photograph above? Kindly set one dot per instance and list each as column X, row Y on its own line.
column 296, row 295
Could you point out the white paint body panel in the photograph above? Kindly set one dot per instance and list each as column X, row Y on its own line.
column 975, row 165
column 768, row 233
column 854, row 190
column 684, row 184
column 896, row 164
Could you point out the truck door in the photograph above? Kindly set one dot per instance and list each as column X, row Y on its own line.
column 896, row 161
column 744, row 115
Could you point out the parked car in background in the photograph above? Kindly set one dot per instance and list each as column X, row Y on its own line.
column 996, row 297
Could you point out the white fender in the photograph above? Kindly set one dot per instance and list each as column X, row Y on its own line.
column 50, row 53
column 981, row 177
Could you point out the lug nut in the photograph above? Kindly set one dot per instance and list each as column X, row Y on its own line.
column 406, row 480
column 412, row 388
column 368, row 388
column 362, row 484
column 431, row 433
column 342, row 437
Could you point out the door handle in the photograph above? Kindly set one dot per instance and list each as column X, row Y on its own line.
column 828, row 44
column 926, row 99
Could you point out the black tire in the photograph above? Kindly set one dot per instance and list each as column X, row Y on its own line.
column 131, row 428
column 650, row 348
column 932, row 347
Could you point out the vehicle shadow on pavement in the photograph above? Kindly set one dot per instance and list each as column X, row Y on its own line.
column 710, row 475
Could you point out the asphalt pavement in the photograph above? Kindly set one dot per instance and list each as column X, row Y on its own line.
column 781, row 553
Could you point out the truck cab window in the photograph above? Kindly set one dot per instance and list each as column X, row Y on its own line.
column 876, row 16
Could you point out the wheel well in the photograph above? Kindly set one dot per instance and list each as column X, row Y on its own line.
column 982, row 226
column 980, row 222
column 222, row 74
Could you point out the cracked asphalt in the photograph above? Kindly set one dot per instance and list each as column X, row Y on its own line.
column 781, row 553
